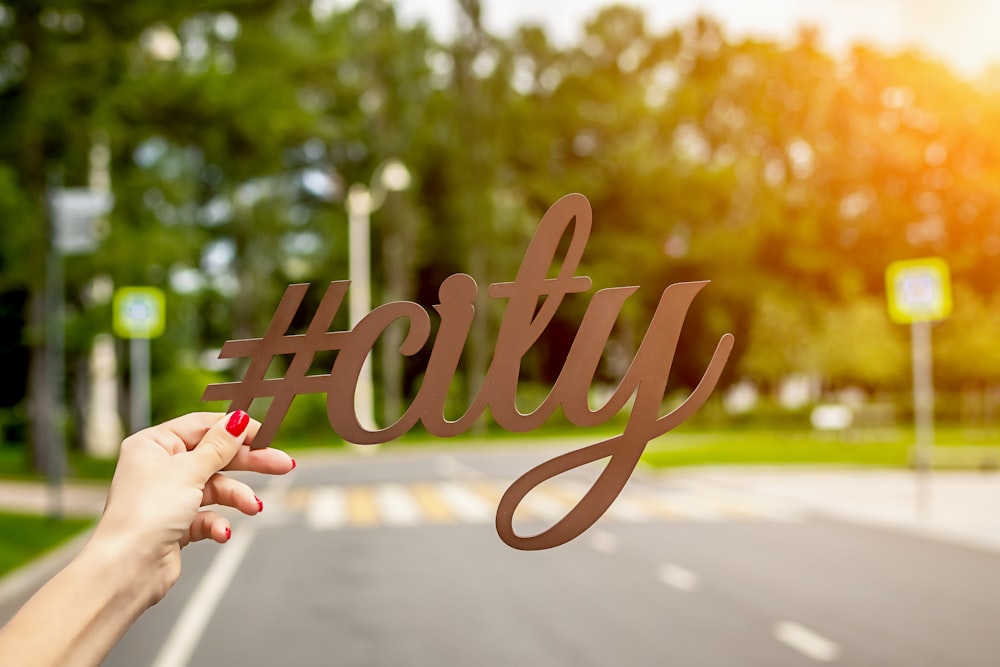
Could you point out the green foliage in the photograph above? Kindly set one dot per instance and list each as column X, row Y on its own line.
column 306, row 421
column 965, row 345
column 856, row 343
column 178, row 389
column 235, row 127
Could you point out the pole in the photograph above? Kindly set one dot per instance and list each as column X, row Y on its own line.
column 923, row 409
column 359, row 272
column 54, row 435
column 139, row 380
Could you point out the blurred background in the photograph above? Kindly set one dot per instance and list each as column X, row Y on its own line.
column 218, row 151
column 779, row 159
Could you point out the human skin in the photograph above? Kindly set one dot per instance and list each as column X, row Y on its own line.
column 165, row 475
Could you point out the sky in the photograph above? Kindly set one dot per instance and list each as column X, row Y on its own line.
column 964, row 33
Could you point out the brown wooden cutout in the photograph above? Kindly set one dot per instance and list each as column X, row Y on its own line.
column 523, row 322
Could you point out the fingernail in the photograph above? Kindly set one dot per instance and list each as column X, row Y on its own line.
column 229, row 533
column 238, row 423
column 293, row 464
column 260, row 504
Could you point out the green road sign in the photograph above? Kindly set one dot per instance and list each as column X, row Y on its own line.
column 139, row 312
column 918, row 290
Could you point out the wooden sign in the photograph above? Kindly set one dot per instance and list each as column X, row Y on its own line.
column 524, row 320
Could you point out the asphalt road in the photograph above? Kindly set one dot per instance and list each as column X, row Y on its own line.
column 341, row 569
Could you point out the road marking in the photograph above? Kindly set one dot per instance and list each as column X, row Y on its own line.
column 690, row 506
column 626, row 509
column 806, row 642
column 361, row 506
column 186, row 633
column 434, row 510
column 542, row 504
column 334, row 507
column 677, row 577
column 396, row 506
column 751, row 505
column 465, row 504
column 488, row 492
column 327, row 509
column 451, row 467
column 603, row 542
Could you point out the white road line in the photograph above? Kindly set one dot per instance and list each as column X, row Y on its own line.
column 603, row 542
column 327, row 508
column 628, row 510
column 749, row 504
column 187, row 631
column 806, row 642
column 677, row 577
column 544, row 506
column 448, row 466
column 689, row 505
column 465, row 504
column 396, row 505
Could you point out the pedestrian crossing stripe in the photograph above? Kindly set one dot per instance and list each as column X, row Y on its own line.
column 361, row 506
column 433, row 508
column 335, row 507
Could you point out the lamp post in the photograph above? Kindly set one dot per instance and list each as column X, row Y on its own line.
column 390, row 176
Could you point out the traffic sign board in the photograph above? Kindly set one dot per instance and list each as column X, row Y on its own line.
column 918, row 290
column 75, row 212
column 139, row 312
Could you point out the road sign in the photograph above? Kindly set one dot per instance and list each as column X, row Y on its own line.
column 75, row 212
column 139, row 312
column 918, row 290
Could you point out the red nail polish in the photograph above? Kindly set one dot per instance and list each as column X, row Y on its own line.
column 229, row 533
column 238, row 423
column 260, row 504
column 293, row 464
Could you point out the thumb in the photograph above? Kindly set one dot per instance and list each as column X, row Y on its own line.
column 220, row 444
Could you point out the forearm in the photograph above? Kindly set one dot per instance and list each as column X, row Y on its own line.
column 165, row 475
column 78, row 616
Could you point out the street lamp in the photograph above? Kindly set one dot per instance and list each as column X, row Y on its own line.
column 390, row 176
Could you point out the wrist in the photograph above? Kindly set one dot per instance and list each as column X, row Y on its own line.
column 124, row 561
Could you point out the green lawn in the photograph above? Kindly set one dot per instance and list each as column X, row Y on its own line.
column 23, row 537
column 955, row 448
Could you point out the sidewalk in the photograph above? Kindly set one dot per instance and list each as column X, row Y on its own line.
column 956, row 507
column 83, row 499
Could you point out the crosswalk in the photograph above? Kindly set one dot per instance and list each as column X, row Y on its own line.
column 393, row 504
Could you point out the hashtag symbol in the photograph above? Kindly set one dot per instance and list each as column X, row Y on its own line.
column 277, row 341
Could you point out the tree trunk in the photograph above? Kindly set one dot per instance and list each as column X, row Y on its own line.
column 41, row 410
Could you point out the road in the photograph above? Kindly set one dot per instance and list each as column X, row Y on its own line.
column 393, row 560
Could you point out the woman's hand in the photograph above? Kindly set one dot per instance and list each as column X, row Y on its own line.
column 166, row 474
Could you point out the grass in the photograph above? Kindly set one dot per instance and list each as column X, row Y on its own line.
column 25, row 537
column 954, row 448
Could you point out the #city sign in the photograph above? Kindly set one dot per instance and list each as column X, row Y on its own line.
column 524, row 320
